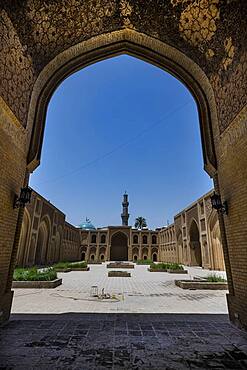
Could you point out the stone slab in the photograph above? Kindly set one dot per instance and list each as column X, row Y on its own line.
column 37, row 284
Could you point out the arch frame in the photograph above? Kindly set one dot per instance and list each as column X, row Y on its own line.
column 139, row 45
column 45, row 220
column 23, row 255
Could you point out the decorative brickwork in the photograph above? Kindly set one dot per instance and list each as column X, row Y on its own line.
column 202, row 42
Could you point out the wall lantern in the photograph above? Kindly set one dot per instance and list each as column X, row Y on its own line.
column 218, row 205
column 24, row 198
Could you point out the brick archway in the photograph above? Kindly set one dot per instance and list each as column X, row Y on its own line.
column 119, row 247
column 37, row 56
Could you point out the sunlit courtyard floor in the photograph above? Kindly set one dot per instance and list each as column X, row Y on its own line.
column 153, row 325
column 143, row 292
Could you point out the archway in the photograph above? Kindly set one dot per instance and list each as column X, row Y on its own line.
column 195, row 245
column 154, row 257
column 119, row 247
column 217, row 255
column 107, row 26
column 180, row 247
column 42, row 243
column 22, row 254
column 57, row 246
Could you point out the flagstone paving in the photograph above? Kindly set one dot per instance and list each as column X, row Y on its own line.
column 121, row 341
column 144, row 291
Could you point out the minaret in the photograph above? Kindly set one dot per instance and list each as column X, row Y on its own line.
column 125, row 215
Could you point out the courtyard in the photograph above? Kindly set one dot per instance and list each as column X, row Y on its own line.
column 148, row 323
column 143, row 292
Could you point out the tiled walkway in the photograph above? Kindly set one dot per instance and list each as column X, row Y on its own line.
column 121, row 341
column 143, row 292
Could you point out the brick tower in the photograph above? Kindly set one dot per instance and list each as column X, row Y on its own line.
column 125, row 215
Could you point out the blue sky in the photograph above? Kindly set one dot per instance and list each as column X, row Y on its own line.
column 121, row 124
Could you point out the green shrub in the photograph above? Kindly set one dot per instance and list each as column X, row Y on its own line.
column 175, row 266
column 214, row 278
column 166, row 266
column 61, row 265
column 33, row 274
column 144, row 262
column 159, row 266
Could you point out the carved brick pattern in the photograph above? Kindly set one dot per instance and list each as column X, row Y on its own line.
column 35, row 31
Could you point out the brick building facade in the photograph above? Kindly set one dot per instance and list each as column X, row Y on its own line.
column 193, row 239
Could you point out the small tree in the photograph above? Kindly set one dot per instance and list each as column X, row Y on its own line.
column 140, row 223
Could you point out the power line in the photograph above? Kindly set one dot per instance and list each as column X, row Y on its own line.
column 119, row 147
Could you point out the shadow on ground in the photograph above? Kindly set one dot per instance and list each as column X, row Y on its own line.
column 121, row 341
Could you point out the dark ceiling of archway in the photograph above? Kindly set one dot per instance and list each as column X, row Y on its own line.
column 210, row 32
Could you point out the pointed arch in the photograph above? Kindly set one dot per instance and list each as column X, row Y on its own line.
column 22, row 253
column 119, row 247
column 43, row 241
column 195, row 245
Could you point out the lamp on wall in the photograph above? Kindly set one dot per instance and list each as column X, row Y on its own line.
column 218, row 205
column 24, row 198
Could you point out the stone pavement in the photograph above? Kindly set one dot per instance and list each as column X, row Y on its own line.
column 144, row 291
column 121, row 341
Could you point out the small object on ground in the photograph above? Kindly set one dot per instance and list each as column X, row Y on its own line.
column 94, row 291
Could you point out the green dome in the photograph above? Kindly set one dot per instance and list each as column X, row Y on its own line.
column 87, row 225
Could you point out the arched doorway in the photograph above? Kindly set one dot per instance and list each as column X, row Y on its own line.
column 119, row 247
column 57, row 246
column 154, row 257
column 195, row 245
column 42, row 243
column 216, row 244
column 22, row 254
column 180, row 247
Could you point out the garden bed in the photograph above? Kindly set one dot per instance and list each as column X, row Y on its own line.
column 120, row 265
column 35, row 278
column 178, row 271
column 197, row 284
column 144, row 262
column 157, row 270
column 119, row 274
column 80, row 268
column 37, row 284
column 71, row 266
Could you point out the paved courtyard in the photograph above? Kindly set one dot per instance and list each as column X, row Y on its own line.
column 143, row 292
column 121, row 341
column 151, row 325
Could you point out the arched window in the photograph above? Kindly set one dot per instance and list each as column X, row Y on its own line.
column 93, row 238
column 92, row 257
column 144, row 239
column 135, row 257
column 135, row 239
column 83, row 256
column 145, row 258
column 102, row 257
column 154, row 239
column 102, row 239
